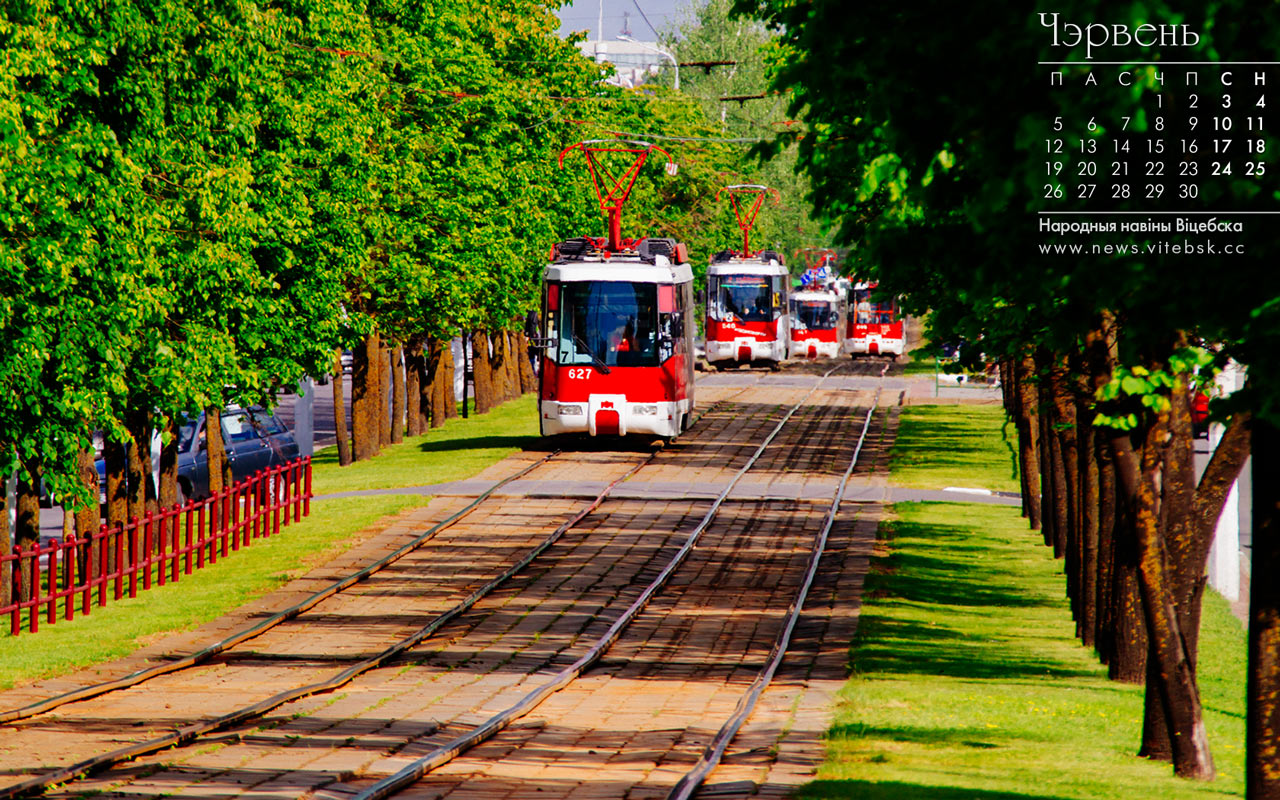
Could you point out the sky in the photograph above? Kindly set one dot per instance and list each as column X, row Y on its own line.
column 582, row 15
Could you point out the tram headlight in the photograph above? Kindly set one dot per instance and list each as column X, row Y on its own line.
column 648, row 409
column 570, row 410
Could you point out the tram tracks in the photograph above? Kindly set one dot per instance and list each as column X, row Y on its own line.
column 390, row 655
column 182, row 734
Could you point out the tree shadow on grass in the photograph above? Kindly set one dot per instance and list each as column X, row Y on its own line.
column 897, row 790
column 977, row 738
column 891, row 646
column 480, row 443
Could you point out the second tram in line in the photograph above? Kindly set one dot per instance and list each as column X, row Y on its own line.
column 819, row 310
column 747, row 318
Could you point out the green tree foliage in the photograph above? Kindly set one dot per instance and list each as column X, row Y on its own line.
column 925, row 141
column 201, row 199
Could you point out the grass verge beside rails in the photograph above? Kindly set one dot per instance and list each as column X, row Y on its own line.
column 458, row 449
column 125, row 625
column 942, row 446
column 968, row 681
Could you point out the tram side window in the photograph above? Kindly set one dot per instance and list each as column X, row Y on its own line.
column 862, row 306
column 883, row 313
column 610, row 323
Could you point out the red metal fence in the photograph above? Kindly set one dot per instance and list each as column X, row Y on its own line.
column 152, row 550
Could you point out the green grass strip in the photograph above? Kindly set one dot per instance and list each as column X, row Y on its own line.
column 968, row 681
column 124, row 626
column 458, row 449
column 941, row 446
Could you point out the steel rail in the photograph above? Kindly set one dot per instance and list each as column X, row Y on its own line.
column 191, row 732
column 448, row 751
column 714, row 752
column 206, row 653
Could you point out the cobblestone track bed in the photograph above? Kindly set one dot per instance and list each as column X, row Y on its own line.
column 529, row 625
column 344, row 628
column 634, row 724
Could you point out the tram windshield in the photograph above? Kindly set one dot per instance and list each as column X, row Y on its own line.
column 818, row 314
column 610, row 323
column 745, row 297
column 867, row 310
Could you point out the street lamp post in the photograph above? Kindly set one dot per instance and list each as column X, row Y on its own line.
column 675, row 64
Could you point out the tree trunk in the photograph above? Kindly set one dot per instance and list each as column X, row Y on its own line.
column 1058, row 482
column 1129, row 664
column 438, row 363
column 340, row 411
column 26, row 532
column 413, row 394
column 219, row 466
column 525, row 353
column 89, row 516
column 116, row 461
column 1106, row 628
column 398, row 403
column 1064, row 417
column 1090, row 501
column 385, row 384
column 1028, row 438
column 1262, row 714
column 498, row 369
column 138, row 449
column 515, row 355
column 1177, row 483
column 482, row 368
column 365, row 380
column 1045, row 439
column 1174, row 673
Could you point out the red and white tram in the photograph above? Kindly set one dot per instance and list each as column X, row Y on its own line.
column 747, row 295
column 819, row 309
column 818, row 320
column 617, row 321
column 874, row 325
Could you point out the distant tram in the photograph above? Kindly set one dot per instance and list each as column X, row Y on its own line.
column 874, row 325
column 818, row 318
column 819, row 309
column 747, row 295
column 617, row 321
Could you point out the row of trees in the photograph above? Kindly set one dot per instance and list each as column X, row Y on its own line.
column 202, row 201
column 927, row 136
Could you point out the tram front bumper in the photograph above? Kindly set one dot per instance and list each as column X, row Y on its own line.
column 612, row 415
column 746, row 350
column 812, row 348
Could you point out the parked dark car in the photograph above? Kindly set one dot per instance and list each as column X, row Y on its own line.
column 254, row 438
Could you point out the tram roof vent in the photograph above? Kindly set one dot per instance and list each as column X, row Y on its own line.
column 727, row 256
column 572, row 249
column 652, row 247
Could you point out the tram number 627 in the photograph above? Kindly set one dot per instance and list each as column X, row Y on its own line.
column 579, row 374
